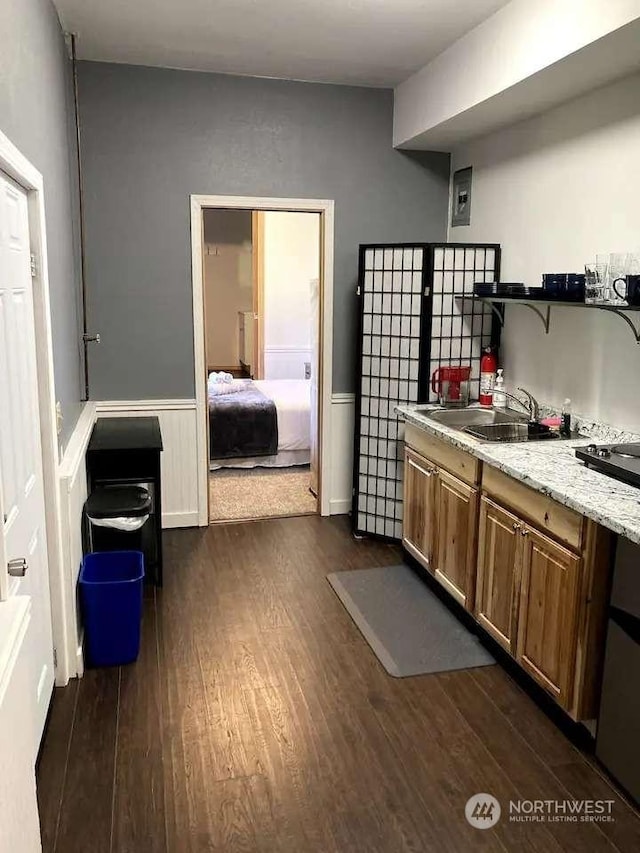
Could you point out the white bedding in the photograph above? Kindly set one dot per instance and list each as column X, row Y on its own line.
column 293, row 404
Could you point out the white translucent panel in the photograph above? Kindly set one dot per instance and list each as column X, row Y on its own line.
column 413, row 371
column 369, row 256
column 446, row 327
column 404, row 370
column 395, row 326
column 386, row 325
column 387, row 281
column 407, row 258
column 384, row 408
column 377, row 303
column 388, row 258
column 368, row 303
column 378, row 260
column 397, row 259
column 418, row 259
column 385, row 347
column 447, row 282
column 376, row 326
column 438, row 259
column 456, row 327
column 416, row 282
column 393, row 388
column 396, row 303
column 456, row 347
column 448, row 259
column 366, row 364
column 368, row 281
column 437, row 304
column 414, row 349
column 458, row 282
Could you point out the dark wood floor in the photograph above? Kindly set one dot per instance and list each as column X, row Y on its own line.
column 258, row 719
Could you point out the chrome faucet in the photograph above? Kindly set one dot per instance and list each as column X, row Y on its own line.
column 531, row 405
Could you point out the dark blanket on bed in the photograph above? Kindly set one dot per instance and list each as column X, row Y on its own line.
column 242, row 424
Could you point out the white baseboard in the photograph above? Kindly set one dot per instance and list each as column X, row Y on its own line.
column 72, row 485
column 342, row 425
column 171, row 520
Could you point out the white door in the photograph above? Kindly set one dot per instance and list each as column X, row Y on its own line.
column 21, row 479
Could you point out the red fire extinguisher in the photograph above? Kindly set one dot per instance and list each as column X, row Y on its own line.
column 488, row 368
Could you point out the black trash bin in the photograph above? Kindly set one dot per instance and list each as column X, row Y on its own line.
column 116, row 519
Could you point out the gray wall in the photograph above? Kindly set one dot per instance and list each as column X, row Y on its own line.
column 153, row 136
column 35, row 113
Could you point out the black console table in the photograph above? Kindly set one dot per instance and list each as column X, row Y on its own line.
column 127, row 451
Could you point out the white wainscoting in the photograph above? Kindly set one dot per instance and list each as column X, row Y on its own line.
column 179, row 459
column 72, row 484
column 286, row 362
column 342, row 426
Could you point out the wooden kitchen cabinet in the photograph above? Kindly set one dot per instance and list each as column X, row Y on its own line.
column 419, row 525
column 498, row 579
column 548, row 613
column 456, row 507
column 533, row 572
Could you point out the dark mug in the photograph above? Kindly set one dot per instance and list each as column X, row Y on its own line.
column 554, row 283
column 632, row 296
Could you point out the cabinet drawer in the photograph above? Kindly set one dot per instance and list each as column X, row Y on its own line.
column 463, row 465
column 546, row 514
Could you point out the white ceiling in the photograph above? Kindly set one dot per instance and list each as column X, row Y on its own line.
column 362, row 42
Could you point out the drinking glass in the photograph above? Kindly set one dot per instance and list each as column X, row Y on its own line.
column 595, row 282
column 619, row 267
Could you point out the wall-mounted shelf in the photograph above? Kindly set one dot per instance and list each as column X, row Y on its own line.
column 542, row 308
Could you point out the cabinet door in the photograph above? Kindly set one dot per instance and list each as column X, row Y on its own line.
column 499, row 560
column 547, row 621
column 418, row 529
column 455, row 553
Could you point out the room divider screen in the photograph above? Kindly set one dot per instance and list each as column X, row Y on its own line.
column 416, row 312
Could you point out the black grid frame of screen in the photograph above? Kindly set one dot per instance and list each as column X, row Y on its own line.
column 461, row 327
column 403, row 288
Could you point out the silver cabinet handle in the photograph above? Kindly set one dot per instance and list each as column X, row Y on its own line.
column 17, row 568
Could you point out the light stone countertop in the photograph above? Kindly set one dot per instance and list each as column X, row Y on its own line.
column 552, row 468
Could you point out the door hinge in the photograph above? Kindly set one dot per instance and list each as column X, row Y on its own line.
column 427, row 291
column 358, row 290
column 34, row 266
column 55, row 657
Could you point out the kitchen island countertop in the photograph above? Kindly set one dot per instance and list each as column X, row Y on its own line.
column 550, row 467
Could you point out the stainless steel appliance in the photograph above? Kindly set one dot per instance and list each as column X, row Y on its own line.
column 618, row 733
column 621, row 461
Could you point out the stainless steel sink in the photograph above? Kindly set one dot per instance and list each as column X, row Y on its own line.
column 461, row 418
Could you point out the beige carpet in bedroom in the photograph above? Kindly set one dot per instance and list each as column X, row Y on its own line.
column 236, row 494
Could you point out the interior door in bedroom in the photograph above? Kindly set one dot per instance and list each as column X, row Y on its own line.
column 23, row 532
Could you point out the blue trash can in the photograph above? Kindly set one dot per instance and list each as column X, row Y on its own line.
column 111, row 600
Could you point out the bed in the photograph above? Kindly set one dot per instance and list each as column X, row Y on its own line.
column 259, row 423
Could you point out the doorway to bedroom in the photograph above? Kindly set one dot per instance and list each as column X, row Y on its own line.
column 261, row 282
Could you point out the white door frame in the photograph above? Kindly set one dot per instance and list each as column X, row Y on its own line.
column 325, row 208
column 29, row 178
